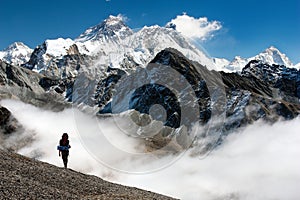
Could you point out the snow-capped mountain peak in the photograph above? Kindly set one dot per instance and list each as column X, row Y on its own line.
column 17, row 53
column 154, row 39
column 113, row 26
column 113, row 20
column 16, row 46
column 273, row 56
column 237, row 59
column 269, row 56
column 220, row 63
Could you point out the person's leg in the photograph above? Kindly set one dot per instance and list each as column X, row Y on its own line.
column 65, row 158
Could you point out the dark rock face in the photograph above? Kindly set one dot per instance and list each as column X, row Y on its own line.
column 174, row 59
column 35, row 57
column 58, row 67
column 31, row 87
column 8, row 124
column 17, row 76
column 286, row 80
column 154, row 94
column 262, row 91
column 147, row 95
column 104, row 93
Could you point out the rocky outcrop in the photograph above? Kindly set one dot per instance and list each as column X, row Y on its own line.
column 261, row 91
column 284, row 81
column 22, row 177
column 29, row 87
column 9, row 129
column 57, row 67
column 73, row 50
column 8, row 124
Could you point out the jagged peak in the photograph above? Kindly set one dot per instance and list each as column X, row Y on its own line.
column 17, row 45
column 16, row 53
column 167, row 54
column 111, row 26
column 238, row 58
column 172, row 51
column 272, row 55
column 112, row 20
column 271, row 50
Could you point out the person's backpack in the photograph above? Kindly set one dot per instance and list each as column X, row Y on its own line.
column 63, row 148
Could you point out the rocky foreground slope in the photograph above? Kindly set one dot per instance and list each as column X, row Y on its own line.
column 25, row 178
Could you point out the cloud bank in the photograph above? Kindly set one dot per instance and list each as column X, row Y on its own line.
column 196, row 28
column 260, row 162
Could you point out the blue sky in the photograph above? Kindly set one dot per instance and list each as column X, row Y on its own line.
column 248, row 26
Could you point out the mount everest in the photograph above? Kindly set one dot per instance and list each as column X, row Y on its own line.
column 115, row 41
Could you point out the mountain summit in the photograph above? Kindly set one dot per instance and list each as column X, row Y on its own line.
column 17, row 53
column 113, row 26
column 273, row 56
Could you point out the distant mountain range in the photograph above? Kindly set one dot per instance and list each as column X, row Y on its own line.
column 112, row 41
column 270, row 56
column 86, row 71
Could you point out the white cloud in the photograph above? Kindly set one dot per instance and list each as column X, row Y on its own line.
column 260, row 162
column 123, row 17
column 195, row 28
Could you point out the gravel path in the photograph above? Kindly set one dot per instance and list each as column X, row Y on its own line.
column 25, row 178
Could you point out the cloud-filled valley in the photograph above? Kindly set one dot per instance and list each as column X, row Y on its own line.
column 259, row 161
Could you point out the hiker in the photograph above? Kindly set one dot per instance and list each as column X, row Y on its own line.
column 64, row 146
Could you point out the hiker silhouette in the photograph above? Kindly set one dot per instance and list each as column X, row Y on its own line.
column 63, row 148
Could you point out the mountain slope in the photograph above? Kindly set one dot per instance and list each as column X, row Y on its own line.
column 31, row 87
column 24, row 177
